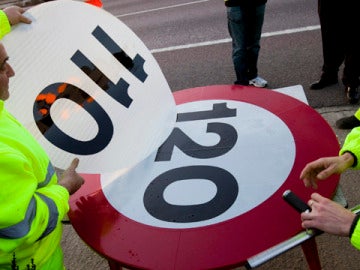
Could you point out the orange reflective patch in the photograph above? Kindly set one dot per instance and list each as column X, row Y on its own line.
column 43, row 111
column 62, row 88
column 97, row 3
column 50, row 98
column 89, row 99
column 40, row 97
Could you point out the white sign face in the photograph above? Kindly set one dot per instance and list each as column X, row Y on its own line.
column 223, row 158
column 86, row 86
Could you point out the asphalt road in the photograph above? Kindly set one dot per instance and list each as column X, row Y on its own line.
column 191, row 43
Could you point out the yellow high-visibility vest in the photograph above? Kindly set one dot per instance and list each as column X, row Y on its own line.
column 352, row 144
column 355, row 238
column 4, row 24
column 32, row 204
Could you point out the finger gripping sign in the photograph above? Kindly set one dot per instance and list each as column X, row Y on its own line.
column 86, row 86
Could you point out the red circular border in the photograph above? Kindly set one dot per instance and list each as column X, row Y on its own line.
column 226, row 244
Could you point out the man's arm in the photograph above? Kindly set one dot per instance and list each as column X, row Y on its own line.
column 11, row 16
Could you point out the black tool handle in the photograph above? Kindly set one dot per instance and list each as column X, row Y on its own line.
column 298, row 204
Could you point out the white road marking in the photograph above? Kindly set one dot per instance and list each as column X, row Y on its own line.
column 226, row 40
column 160, row 8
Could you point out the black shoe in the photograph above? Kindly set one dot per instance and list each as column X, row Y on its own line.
column 323, row 82
column 352, row 94
column 348, row 122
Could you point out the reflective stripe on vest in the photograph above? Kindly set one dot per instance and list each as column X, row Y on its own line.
column 22, row 228
column 49, row 174
column 53, row 215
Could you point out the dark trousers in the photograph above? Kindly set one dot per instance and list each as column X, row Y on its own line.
column 340, row 27
column 245, row 25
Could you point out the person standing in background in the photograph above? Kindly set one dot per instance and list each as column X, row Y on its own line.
column 245, row 20
column 339, row 25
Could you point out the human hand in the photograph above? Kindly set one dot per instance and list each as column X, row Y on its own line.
column 70, row 179
column 328, row 216
column 15, row 15
column 323, row 168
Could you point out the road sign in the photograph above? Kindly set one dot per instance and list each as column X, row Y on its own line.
column 86, row 86
column 213, row 191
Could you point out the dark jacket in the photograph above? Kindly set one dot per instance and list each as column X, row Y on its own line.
column 234, row 3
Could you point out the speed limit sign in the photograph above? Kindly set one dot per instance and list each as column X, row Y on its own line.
column 86, row 86
column 213, row 187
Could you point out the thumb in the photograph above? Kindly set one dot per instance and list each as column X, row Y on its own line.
column 74, row 164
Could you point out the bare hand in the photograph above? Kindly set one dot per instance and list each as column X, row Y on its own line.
column 323, row 168
column 15, row 15
column 70, row 179
column 328, row 216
